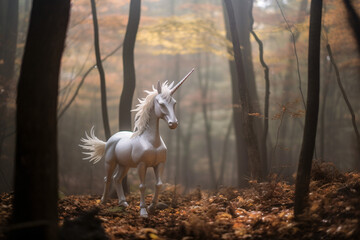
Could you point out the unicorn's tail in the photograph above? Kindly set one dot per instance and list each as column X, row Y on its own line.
column 94, row 147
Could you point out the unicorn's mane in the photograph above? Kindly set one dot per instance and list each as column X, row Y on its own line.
column 145, row 105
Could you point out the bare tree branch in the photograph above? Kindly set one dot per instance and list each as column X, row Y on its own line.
column 67, row 89
column 348, row 104
column 293, row 37
column 283, row 109
column 83, row 80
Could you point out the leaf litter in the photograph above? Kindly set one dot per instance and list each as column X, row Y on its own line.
column 261, row 211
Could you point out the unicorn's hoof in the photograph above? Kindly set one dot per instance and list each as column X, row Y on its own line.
column 143, row 213
column 103, row 200
column 123, row 203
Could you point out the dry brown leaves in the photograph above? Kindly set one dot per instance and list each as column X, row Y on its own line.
column 262, row 211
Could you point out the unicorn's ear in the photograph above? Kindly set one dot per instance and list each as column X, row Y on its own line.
column 159, row 87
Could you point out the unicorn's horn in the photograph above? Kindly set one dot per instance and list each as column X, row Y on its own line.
column 181, row 82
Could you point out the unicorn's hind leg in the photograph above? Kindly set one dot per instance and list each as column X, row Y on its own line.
column 119, row 176
column 109, row 170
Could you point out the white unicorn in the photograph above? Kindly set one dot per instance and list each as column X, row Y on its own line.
column 142, row 148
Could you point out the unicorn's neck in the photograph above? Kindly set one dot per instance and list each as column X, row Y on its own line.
column 151, row 133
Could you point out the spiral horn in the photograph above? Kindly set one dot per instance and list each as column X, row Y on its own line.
column 181, row 82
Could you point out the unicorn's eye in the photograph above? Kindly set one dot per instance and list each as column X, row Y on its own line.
column 161, row 103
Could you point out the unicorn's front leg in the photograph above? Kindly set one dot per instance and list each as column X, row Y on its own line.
column 142, row 173
column 158, row 170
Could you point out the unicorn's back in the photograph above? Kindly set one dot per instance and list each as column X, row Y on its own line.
column 118, row 136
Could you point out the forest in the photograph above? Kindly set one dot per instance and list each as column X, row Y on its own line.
column 169, row 119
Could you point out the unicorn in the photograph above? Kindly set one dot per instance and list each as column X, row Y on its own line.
column 139, row 149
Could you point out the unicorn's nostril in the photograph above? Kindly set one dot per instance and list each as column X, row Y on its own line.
column 172, row 125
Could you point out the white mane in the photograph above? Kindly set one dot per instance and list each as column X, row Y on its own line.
column 145, row 106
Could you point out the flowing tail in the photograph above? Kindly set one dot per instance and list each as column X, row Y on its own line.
column 94, row 147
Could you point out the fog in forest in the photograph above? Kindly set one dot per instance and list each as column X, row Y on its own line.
column 174, row 37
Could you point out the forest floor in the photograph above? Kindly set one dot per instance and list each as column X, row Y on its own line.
column 261, row 211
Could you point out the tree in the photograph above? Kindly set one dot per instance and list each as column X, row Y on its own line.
column 128, row 66
column 224, row 153
column 243, row 20
column 36, row 180
column 242, row 158
column 186, row 168
column 101, row 72
column 264, row 166
column 129, row 72
column 247, row 123
column 204, row 88
column 8, row 39
column 354, row 21
column 312, row 109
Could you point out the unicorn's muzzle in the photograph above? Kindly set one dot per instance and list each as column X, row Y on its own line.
column 173, row 125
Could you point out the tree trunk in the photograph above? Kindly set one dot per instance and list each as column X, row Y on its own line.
column 8, row 39
column 247, row 121
column 100, row 68
column 204, row 85
column 224, row 153
column 129, row 72
column 312, row 109
column 354, row 21
column 178, row 96
column 170, row 140
column 264, row 161
column 128, row 66
column 325, row 93
column 186, row 156
column 242, row 157
column 36, row 175
column 244, row 26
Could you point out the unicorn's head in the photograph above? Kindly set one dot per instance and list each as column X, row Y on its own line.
column 164, row 105
column 163, row 102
